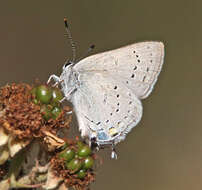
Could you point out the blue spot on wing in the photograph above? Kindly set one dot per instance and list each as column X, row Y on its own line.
column 102, row 136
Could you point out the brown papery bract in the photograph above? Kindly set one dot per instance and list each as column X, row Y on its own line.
column 22, row 117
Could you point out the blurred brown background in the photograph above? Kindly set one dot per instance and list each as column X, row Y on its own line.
column 164, row 151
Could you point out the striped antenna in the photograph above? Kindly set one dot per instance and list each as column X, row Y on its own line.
column 70, row 40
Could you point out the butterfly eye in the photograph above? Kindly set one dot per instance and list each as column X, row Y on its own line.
column 66, row 64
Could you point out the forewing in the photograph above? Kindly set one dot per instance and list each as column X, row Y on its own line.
column 104, row 104
column 136, row 66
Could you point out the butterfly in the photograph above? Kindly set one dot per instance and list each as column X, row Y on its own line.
column 106, row 89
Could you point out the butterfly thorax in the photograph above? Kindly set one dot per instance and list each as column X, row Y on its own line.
column 69, row 81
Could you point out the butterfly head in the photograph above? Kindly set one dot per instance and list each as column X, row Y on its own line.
column 69, row 79
column 67, row 65
column 66, row 71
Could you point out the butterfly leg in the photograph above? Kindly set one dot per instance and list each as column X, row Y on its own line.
column 55, row 78
column 63, row 99
column 67, row 94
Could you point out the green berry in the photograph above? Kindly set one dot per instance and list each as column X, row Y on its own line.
column 56, row 112
column 80, row 144
column 84, row 151
column 46, row 112
column 81, row 174
column 35, row 101
column 56, row 95
column 43, row 94
column 74, row 165
column 68, row 154
column 33, row 91
column 76, row 156
column 88, row 163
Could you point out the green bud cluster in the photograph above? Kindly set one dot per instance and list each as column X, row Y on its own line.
column 78, row 160
column 49, row 100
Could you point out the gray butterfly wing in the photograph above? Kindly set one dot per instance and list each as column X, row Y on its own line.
column 111, row 83
column 137, row 66
column 105, row 108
